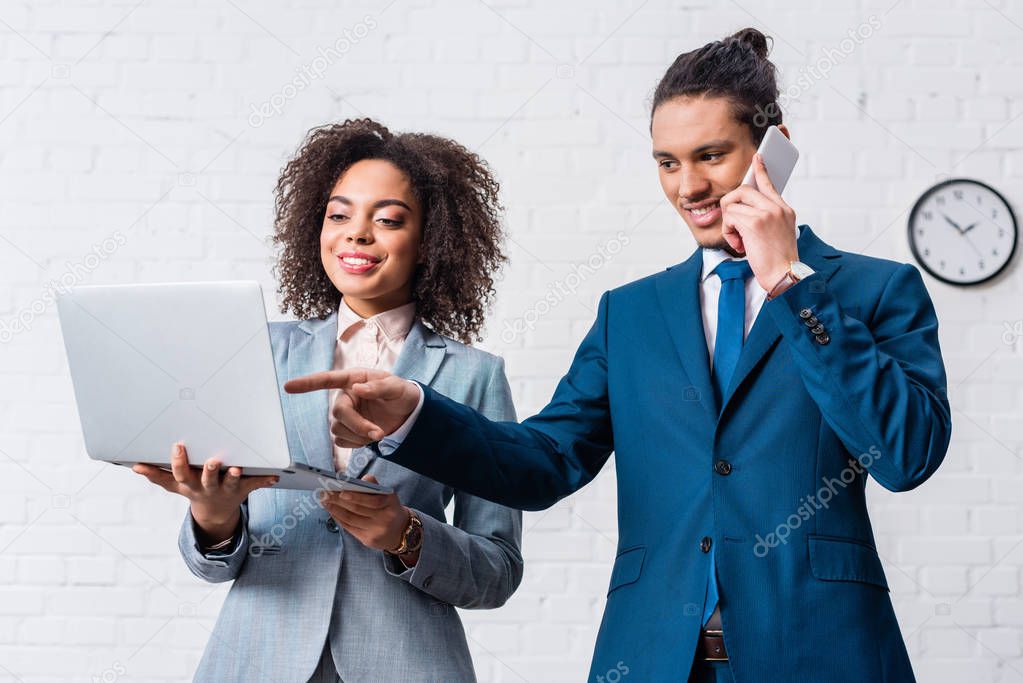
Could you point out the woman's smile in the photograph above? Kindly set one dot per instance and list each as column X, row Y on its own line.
column 358, row 262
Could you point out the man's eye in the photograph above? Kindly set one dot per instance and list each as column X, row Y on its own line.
column 710, row 156
column 667, row 163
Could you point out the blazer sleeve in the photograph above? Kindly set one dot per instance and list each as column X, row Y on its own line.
column 215, row 566
column 880, row 386
column 475, row 562
column 528, row 466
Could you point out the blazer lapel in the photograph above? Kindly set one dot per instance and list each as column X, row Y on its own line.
column 678, row 294
column 311, row 349
column 765, row 333
column 419, row 360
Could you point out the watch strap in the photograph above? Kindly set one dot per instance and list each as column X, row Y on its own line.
column 786, row 281
column 405, row 547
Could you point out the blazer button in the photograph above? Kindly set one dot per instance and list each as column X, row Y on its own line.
column 332, row 526
column 805, row 313
column 811, row 321
column 723, row 467
column 817, row 329
column 705, row 544
column 822, row 339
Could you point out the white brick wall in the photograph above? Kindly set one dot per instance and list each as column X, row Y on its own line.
column 136, row 119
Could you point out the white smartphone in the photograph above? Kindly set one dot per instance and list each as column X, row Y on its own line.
column 780, row 157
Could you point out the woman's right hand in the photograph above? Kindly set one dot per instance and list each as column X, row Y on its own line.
column 215, row 498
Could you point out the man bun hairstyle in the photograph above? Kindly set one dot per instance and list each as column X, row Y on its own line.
column 735, row 67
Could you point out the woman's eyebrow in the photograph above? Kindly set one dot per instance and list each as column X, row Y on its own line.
column 391, row 202
column 376, row 205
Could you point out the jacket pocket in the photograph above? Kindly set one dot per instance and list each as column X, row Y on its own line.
column 845, row 559
column 628, row 567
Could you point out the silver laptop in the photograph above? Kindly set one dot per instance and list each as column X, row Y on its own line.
column 158, row 363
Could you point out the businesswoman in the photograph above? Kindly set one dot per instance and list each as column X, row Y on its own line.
column 386, row 248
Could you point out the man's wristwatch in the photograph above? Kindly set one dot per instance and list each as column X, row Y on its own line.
column 796, row 272
column 412, row 537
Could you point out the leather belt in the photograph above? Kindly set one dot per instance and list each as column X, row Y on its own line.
column 712, row 646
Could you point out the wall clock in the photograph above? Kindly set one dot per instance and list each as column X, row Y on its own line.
column 963, row 232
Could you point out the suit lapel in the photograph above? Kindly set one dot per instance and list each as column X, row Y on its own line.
column 419, row 360
column 311, row 349
column 678, row 294
column 765, row 333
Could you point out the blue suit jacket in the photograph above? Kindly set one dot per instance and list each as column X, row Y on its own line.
column 300, row 580
column 802, row 424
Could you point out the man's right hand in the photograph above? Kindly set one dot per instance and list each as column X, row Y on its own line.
column 370, row 404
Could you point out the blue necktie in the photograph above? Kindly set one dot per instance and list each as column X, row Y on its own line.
column 727, row 347
column 731, row 322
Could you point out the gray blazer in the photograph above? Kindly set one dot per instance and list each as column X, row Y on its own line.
column 299, row 579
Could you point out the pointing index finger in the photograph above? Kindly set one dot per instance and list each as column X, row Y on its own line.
column 328, row 379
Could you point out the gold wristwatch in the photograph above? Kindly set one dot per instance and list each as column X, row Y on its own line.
column 796, row 272
column 412, row 537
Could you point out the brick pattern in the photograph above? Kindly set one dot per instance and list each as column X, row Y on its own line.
column 141, row 142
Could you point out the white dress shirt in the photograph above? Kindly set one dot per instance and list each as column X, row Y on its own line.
column 710, row 290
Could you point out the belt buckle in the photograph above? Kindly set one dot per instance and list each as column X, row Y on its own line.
column 717, row 633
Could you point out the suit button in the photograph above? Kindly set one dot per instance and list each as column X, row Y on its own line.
column 817, row 329
column 823, row 339
column 805, row 313
column 332, row 525
column 705, row 544
column 811, row 321
column 723, row 467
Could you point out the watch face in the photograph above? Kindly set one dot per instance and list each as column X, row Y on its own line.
column 415, row 536
column 800, row 269
column 963, row 232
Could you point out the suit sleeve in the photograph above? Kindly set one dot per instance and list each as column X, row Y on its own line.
column 527, row 466
column 476, row 562
column 215, row 566
column 881, row 387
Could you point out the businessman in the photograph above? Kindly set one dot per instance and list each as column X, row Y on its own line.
column 748, row 393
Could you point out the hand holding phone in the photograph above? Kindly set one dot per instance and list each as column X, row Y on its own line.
column 757, row 222
column 779, row 156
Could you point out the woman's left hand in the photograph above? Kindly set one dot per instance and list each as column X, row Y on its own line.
column 378, row 520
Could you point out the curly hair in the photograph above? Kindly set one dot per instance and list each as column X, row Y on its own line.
column 461, row 232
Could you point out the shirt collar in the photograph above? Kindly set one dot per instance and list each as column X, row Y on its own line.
column 394, row 324
column 712, row 257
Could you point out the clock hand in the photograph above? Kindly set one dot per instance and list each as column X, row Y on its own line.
column 952, row 223
column 972, row 245
column 970, row 227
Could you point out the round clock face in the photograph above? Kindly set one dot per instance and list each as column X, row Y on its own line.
column 962, row 232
